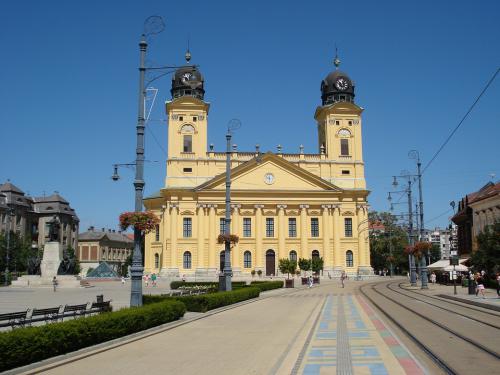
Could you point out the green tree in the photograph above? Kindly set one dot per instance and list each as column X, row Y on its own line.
column 393, row 238
column 304, row 264
column 487, row 255
column 287, row 266
column 317, row 265
column 435, row 253
column 71, row 255
column 19, row 252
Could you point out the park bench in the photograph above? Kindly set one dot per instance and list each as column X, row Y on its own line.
column 14, row 319
column 75, row 311
column 99, row 307
column 51, row 314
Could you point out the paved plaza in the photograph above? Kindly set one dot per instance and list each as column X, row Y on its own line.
column 320, row 330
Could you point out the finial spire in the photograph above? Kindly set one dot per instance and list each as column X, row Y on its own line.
column 336, row 61
column 187, row 56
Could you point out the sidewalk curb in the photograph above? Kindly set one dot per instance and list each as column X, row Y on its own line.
column 470, row 302
column 53, row 362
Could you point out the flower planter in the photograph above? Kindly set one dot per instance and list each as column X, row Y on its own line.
column 315, row 280
column 289, row 283
column 305, row 280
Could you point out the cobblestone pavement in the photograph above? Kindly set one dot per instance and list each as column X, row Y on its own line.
column 323, row 330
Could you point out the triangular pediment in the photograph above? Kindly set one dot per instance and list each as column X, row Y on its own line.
column 269, row 172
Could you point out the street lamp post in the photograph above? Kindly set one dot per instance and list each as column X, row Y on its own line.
column 10, row 213
column 423, row 261
column 225, row 283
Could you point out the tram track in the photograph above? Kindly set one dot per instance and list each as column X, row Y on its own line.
column 388, row 286
column 421, row 329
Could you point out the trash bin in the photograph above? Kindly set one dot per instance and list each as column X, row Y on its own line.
column 100, row 298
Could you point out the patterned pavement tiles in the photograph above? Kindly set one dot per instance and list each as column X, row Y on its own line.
column 351, row 339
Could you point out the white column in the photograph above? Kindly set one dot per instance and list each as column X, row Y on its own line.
column 338, row 263
column 304, row 233
column 200, row 218
column 173, row 269
column 325, row 233
column 212, row 265
column 281, row 232
column 259, row 259
column 236, row 229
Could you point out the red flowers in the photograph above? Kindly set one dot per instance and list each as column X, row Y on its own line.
column 233, row 239
column 419, row 249
column 144, row 221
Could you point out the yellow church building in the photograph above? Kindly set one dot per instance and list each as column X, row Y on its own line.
column 283, row 205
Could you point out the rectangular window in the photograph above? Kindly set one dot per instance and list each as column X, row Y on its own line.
column 187, row 170
column 194, row 118
column 187, row 227
column 344, row 147
column 292, row 227
column 157, row 233
column 348, row 227
column 346, row 172
column 314, row 227
column 247, row 227
column 188, row 143
column 181, row 118
column 222, row 226
column 269, row 227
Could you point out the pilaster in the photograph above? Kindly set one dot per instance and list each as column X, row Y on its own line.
column 303, row 231
column 281, row 232
column 235, row 229
column 212, row 265
column 338, row 265
column 325, row 232
column 259, row 259
column 173, row 268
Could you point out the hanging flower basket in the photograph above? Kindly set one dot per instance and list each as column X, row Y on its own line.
column 409, row 250
column 233, row 239
column 421, row 249
column 144, row 221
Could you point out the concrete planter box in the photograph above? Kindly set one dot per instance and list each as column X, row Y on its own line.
column 304, row 280
column 289, row 283
column 315, row 280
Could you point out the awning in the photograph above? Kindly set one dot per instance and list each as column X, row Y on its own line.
column 441, row 264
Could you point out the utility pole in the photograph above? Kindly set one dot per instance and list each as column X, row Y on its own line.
column 228, row 272
column 413, row 273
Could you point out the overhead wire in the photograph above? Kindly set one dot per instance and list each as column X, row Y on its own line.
column 462, row 120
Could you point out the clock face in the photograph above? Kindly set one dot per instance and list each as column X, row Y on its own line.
column 186, row 77
column 269, row 178
column 342, row 84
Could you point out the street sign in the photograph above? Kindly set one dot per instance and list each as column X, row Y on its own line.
column 454, row 252
column 454, row 261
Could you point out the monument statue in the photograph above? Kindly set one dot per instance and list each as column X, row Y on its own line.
column 67, row 265
column 34, row 265
column 54, row 228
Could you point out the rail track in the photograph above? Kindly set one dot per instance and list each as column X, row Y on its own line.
column 444, row 335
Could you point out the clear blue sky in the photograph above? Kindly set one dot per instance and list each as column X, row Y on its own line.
column 69, row 78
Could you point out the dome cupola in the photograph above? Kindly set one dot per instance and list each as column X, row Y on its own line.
column 188, row 81
column 337, row 86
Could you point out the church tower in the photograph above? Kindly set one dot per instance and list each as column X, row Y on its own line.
column 187, row 124
column 339, row 129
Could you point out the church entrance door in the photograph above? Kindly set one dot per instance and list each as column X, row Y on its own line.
column 270, row 263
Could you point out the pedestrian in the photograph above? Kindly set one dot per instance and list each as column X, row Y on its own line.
column 498, row 284
column 480, row 286
column 184, row 278
column 408, row 275
column 54, row 283
column 123, row 280
column 433, row 278
column 146, row 279
column 329, row 276
column 153, row 279
column 343, row 277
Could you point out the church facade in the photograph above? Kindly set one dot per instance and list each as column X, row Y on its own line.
column 282, row 205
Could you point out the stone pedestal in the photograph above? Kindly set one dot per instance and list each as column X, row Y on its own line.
column 52, row 256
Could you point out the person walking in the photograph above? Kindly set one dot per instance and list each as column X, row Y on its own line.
column 343, row 277
column 433, row 278
column 123, row 280
column 153, row 279
column 480, row 286
column 54, row 283
column 310, row 281
column 146, row 280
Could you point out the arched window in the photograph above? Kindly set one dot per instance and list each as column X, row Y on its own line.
column 344, row 133
column 186, row 260
column 349, row 259
column 315, row 254
column 247, row 259
column 187, row 129
column 157, row 261
column 344, row 147
column 293, row 255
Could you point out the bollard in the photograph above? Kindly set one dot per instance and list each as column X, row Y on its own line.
column 100, row 298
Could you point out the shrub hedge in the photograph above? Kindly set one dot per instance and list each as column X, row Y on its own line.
column 206, row 302
column 177, row 284
column 32, row 344
column 267, row 285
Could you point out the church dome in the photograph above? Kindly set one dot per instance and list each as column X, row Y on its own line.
column 337, row 87
column 188, row 81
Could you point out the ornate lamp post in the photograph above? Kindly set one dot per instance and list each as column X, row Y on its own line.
column 225, row 279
